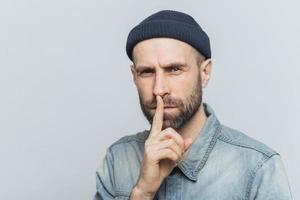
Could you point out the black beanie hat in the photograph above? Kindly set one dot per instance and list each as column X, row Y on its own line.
column 171, row 24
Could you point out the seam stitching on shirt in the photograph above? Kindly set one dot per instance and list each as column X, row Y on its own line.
column 254, row 173
column 210, row 147
column 235, row 143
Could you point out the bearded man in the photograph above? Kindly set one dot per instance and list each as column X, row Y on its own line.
column 187, row 153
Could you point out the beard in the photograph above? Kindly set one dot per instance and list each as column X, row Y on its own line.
column 186, row 109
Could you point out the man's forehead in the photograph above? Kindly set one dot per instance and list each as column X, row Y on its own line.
column 161, row 51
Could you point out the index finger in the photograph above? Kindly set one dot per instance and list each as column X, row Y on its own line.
column 158, row 117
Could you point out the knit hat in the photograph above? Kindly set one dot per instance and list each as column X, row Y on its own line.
column 170, row 24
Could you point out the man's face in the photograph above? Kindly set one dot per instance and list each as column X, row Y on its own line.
column 168, row 68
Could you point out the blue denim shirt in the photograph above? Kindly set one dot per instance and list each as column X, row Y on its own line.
column 222, row 163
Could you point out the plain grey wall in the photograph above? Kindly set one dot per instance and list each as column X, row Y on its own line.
column 67, row 93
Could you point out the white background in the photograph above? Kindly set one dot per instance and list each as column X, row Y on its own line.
column 67, row 92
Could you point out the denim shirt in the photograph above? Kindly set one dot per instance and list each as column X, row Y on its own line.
column 222, row 163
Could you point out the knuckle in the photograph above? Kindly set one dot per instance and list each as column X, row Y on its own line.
column 169, row 129
column 172, row 132
column 175, row 157
column 171, row 142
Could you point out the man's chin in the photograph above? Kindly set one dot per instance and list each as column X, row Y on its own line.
column 171, row 122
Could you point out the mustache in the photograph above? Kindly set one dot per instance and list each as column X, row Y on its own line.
column 168, row 102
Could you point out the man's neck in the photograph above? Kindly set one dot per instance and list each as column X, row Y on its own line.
column 193, row 127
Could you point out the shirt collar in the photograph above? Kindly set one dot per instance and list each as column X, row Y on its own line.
column 201, row 148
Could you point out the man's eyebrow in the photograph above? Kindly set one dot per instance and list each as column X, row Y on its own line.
column 142, row 68
column 170, row 65
column 175, row 64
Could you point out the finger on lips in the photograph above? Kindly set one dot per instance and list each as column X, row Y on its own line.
column 158, row 117
column 168, row 143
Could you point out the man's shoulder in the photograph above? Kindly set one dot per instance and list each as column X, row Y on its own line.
column 242, row 141
column 137, row 138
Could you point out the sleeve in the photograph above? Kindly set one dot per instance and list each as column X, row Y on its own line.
column 270, row 181
column 104, row 179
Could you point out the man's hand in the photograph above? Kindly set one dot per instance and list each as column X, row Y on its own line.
column 163, row 151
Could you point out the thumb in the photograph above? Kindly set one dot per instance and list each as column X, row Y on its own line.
column 187, row 143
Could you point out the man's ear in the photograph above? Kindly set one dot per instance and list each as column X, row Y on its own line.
column 133, row 72
column 205, row 70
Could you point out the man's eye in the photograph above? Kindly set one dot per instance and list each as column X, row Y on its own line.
column 174, row 69
column 146, row 72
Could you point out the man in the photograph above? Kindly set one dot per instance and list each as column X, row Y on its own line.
column 187, row 153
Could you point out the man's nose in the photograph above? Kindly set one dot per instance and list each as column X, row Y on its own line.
column 160, row 86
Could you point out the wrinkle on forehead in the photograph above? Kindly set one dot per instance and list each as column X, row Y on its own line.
column 162, row 51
